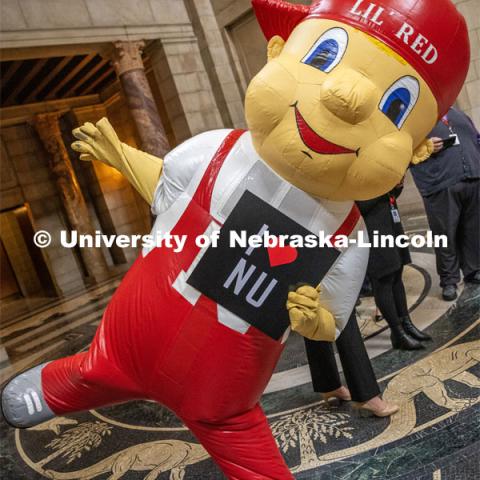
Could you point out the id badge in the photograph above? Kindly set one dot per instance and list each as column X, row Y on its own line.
column 457, row 140
column 395, row 215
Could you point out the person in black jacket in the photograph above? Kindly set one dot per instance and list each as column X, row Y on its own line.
column 385, row 268
column 450, row 186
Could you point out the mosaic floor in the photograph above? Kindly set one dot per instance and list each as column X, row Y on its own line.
column 436, row 434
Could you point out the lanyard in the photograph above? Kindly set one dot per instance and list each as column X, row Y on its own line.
column 447, row 124
column 394, row 211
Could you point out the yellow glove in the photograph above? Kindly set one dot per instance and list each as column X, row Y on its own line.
column 100, row 142
column 307, row 317
column 423, row 152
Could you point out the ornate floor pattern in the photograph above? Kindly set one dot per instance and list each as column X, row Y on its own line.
column 436, row 434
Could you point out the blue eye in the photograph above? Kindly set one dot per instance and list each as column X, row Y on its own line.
column 324, row 55
column 399, row 100
column 328, row 50
column 396, row 105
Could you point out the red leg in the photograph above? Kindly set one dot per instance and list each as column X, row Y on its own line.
column 85, row 381
column 242, row 446
column 71, row 384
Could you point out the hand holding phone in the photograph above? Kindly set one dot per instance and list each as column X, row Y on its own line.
column 437, row 144
column 450, row 141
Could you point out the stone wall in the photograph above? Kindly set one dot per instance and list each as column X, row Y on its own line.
column 47, row 22
column 16, row 248
column 214, row 52
column 184, row 85
column 114, row 206
column 189, row 61
column 25, row 162
column 222, row 33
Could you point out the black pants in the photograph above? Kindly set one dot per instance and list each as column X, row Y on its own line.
column 357, row 368
column 390, row 297
column 455, row 212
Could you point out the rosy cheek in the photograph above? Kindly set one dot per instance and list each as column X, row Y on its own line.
column 381, row 165
column 266, row 105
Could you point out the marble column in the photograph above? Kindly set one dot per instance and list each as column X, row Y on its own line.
column 127, row 60
column 48, row 128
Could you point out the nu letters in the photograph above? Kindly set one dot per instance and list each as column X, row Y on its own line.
column 242, row 273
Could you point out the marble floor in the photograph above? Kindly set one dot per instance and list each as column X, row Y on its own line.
column 436, row 434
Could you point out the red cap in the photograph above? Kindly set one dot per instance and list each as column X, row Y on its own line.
column 431, row 35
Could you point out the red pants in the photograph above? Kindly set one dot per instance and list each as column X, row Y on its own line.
column 208, row 374
column 154, row 344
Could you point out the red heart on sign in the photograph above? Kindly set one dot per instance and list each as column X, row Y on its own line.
column 281, row 255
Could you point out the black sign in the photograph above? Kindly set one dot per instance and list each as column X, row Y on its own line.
column 253, row 283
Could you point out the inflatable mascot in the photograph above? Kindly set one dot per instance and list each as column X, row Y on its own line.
column 341, row 109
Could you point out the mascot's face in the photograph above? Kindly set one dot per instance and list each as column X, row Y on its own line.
column 337, row 113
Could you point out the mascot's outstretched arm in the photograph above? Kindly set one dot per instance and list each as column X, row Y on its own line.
column 100, row 142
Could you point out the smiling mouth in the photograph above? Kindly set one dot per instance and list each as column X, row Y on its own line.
column 314, row 141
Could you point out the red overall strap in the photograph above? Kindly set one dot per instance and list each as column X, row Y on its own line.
column 203, row 194
column 346, row 228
